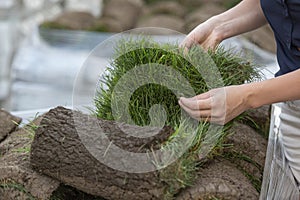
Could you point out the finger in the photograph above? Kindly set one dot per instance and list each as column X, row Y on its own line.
column 203, row 119
column 205, row 115
column 196, row 113
column 204, row 104
column 189, row 41
column 202, row 96
column 185, row 51
column 211, row 120
column 211, row 43
column 217, row 120
column 184, row 43
column 208, row 45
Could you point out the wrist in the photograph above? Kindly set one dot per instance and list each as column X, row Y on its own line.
column 253, row 98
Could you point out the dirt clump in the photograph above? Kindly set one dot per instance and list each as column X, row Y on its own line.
column 17, row 178
column 8, row 123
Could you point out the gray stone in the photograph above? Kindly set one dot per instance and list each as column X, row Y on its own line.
column 165, row 7
column 202, row 14
column 163, row 21
column 108, row 25
column 75, row 20
column 125, row 11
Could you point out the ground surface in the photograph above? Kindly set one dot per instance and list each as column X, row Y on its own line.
column 235, row 174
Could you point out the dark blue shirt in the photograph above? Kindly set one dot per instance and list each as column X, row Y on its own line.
column 284, row 18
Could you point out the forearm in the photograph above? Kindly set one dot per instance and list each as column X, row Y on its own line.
column 244, row 17
column 282, row 88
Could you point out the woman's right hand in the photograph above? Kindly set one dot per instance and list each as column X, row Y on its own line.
column 205, row 34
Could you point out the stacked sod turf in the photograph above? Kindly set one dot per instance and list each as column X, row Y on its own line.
column 196, row 68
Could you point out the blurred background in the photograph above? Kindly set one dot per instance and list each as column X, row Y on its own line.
column 45, row 42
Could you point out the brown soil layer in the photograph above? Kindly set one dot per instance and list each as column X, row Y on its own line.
column 8, row 123
column 220, row 179
column 57, row 152
column 248, row 152
column 17, row 179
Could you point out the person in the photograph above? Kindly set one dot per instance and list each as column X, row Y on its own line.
column 284, row 19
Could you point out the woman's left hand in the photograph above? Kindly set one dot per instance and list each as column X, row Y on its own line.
column 217, row 105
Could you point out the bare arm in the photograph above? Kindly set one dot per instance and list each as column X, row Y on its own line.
column 279, row 89
column 244, row 17
column 223, row 104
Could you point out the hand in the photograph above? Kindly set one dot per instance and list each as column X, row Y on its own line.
column 244, row 17
column 219, row 105
column 204, row 34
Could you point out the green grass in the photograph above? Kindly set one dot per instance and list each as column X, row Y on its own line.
column 134, row 106
column 262, row 128
column 9, row 184
column 29, row 129
column 53, row 25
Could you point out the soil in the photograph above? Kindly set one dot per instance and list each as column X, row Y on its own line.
column 260, row 120
column 220, row 180
column 17, row 179
column 248, row 152
column 8, row 123
column 59, row 166
column 57, row 151
column 247, row 142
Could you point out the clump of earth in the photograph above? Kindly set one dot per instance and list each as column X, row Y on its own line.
column 179, row 15
column 46, row 160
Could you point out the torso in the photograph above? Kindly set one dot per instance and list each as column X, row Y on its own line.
column 284, row 18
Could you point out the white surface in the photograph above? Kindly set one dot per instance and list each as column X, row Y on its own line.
column 7, row 41
column 5, row 4
column 42, row 64
column 15, row 22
